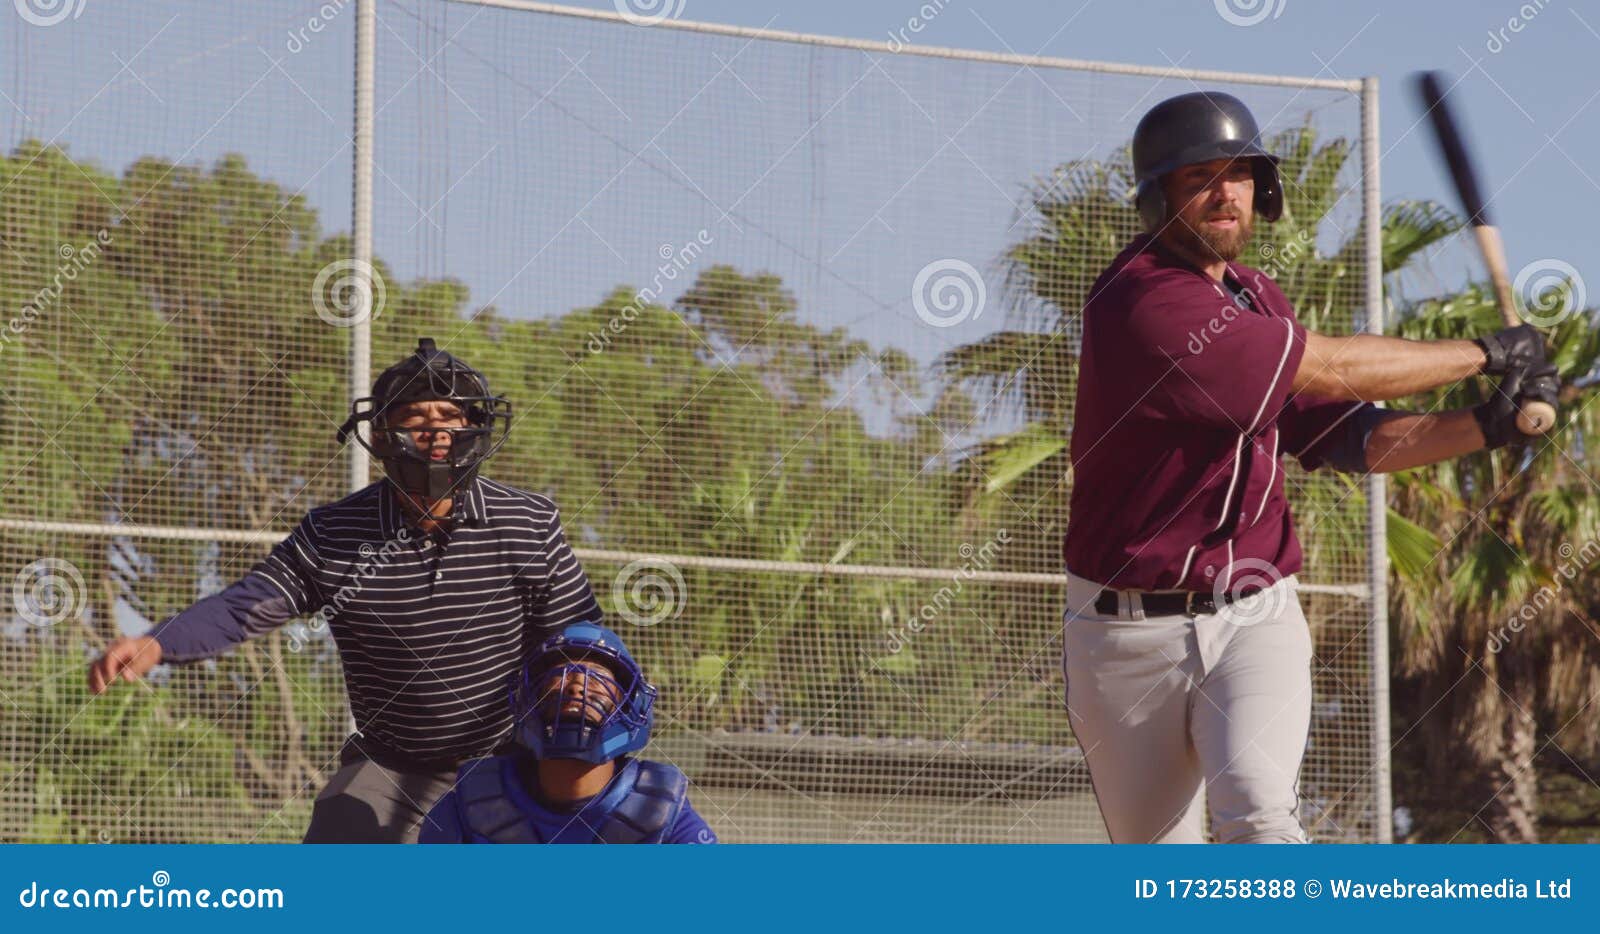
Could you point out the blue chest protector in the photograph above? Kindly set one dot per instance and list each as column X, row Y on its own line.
column 641, row 805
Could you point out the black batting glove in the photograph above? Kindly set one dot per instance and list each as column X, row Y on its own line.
column 1497, row 418
column 1508, row 349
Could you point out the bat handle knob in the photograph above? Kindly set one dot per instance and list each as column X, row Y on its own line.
column 1536, row 418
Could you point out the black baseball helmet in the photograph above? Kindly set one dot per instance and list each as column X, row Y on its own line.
column 431, row 374
column 1199, row 127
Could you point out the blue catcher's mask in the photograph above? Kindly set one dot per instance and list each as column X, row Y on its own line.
column 582, row 696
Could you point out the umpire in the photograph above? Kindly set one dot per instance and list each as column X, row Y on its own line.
column 1186, row 653
column 436, row 584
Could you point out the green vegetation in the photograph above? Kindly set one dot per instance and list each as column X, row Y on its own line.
column 1475, row 544
column 181, row 378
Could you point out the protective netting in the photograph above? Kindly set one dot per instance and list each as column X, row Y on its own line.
column 765, row 306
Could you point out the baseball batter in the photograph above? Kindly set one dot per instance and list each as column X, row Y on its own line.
column 1186, row 653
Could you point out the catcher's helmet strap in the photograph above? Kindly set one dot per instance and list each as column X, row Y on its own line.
column 350, row 423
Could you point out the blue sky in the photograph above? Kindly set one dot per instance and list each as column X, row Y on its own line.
column 546, row 160
column 1529, row 87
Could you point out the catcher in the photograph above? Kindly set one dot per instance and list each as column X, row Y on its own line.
column 581, row 705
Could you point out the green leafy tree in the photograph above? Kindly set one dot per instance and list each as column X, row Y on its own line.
column 182, row 377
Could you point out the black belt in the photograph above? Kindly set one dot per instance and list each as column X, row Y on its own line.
column 1169, row 603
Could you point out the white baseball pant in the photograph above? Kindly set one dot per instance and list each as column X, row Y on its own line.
column 1172, row 712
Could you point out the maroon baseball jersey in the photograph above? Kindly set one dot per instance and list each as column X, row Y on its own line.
column 1183, row 410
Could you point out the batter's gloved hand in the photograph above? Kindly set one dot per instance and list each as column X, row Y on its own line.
column 1508, row 349
column 1497, row 418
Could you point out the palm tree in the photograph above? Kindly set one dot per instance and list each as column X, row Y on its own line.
column 1471, row 541
column 1081, row 216
column 1497, row 634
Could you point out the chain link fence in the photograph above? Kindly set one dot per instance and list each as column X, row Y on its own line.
column 789, row 327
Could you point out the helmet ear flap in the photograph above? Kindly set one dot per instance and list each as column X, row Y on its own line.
column 1269, row 190
column 1152, row 203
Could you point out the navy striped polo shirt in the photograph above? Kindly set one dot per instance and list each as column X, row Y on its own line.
column 431, row 628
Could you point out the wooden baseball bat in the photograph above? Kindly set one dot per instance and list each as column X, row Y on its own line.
column 1535, row 417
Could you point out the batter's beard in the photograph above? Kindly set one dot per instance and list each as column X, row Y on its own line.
column 1209, row 246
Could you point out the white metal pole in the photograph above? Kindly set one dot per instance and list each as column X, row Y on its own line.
column 361, row 236
column 1377, row 489
column 880, row 47
column 361, row 223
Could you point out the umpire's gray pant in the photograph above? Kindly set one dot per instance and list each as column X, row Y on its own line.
column 376, row 797
column 1171, row 712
